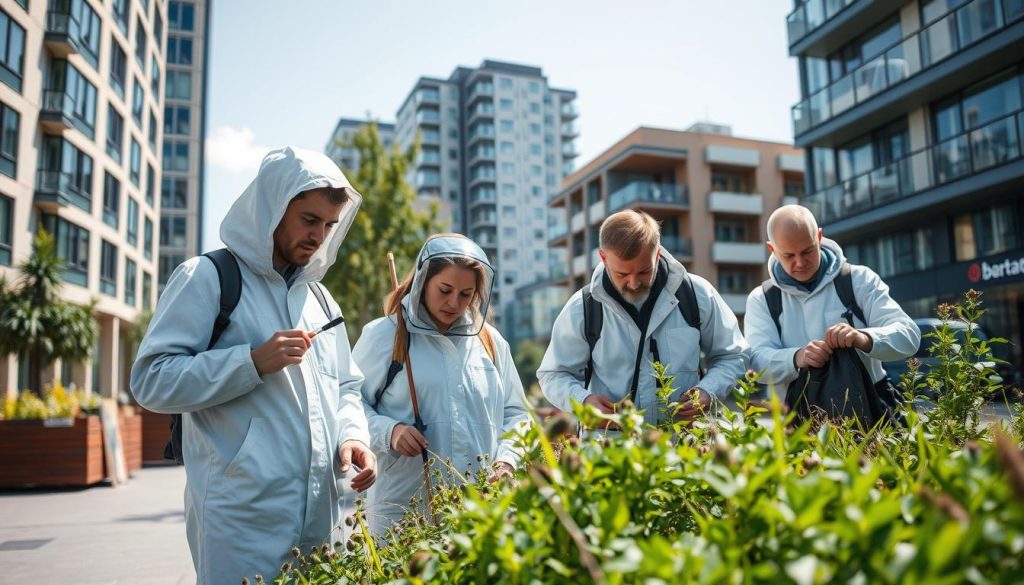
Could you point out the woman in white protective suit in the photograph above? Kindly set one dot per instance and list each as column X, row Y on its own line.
column 468, row 390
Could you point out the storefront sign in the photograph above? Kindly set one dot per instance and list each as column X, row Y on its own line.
column 985, row 271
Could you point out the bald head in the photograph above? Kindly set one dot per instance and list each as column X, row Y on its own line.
column 795, row 239
column 791, row 219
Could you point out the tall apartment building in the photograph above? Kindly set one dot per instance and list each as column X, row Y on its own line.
column 711, row 192
column 912, row 120
column 338, row 145
column 496, row 141
column 184, row 121
column 81, row 104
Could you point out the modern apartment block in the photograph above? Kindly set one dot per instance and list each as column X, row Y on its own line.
column 184, row 121
column 711, row 192
column 496, row 141
column 338, row 146
column 82, row 104
column 912, row 120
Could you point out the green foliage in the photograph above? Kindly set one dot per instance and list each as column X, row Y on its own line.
column 744, row 496
column 528, row 356
column 36, row 322
column 386, row 221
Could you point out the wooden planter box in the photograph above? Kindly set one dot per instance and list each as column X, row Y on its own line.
column 130, row 422
column 37, row 455
column 156, row 429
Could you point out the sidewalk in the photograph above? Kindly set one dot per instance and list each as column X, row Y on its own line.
column 133, row 534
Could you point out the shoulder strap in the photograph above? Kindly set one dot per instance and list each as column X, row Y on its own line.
column 844, row 288
column 687, row 298
column 230, row 277
column 318, row 292
column 593, row 320
column 773, row 296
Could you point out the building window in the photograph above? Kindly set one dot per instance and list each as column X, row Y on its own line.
column 6, row 229
column 535, row 129
column 154, row 75
column 138, row 101
column 507, row 125
column 66, row 172
column 111, row 200
column 987, row 232
column 115, row 133
column 150, row 184
column 179, row 51
column 120, row 11
column 140, row 44
column 147, row 291
column 9, row 136
column 181, row 16
column 168, row 262
column 129, row 281
column 89, row 32
column 179, row 85
column 534, row 87
column 158, row 30
column 147, row 238
column 505, row 104
column 505, row 83
column 72, row 247
column 152, row 130
column 173, row 231
column 733, row 282
column 730, row 231
column 108, row 268
column 118, row 68
column 177, row 121
column 173, row 193
column 12, row 51
column 176, row 156
column 730, row 181
column 66, row 80
column 135, row 163
column 132, row 229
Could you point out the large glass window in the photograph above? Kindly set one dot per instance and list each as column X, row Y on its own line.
column 986, row 232
column 135, row 163
column 167, row 264
column 177, row 120
column 147, row 238
column 176, row 157
column 68, row 89
column 179, row 85
column 132, row 228
column 12, row 51
column 89, row 28
column 6, row 229
column 140, row 44
column 150, row 184
column 147, row 291
column 115, row 133
column 120, row 10
column 118, row 68
column 138, row 101
column 173, row 231
column 173, row 193
column 108, row 268
column 10, row 121
column 181, row 16
column 72, row 248
column 179, row 50
column 154, row 75
column 152, row 129
column 67, row 171
column 111, row 200
column 130, row 277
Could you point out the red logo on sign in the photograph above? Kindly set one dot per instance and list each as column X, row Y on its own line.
column 974, row 272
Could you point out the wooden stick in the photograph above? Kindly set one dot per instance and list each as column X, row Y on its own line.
column 412, row 393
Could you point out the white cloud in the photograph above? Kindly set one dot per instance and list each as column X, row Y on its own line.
column 234, row 150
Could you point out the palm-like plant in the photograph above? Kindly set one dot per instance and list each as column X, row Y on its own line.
column 35, row 323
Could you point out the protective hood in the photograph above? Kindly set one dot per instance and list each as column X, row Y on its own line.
column 436, row 250
column 831, row 270
column 248, row 227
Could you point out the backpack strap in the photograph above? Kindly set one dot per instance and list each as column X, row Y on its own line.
column 593, row 321
column 844, row 288
column 687, row 298
column 230, row 278
column 773, row 296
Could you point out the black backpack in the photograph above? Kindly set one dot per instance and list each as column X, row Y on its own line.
column 230, row 278
column 843, row 386
column 593, row 321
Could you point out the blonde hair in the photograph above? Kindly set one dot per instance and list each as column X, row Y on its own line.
column 393, row 302
column 629, row 233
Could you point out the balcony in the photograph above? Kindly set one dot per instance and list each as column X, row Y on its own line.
column 62, row 34
column 481, row 152
column 430, row 137
column 649, row 192
column 738, row 253
column 597, row 213
column 557, row 231
column 569, row 111
column 55, row 188
column 678, row 246
column 570, row 130
column 791, row 163
column 738, row 203
column 480, row 89
column 580, row 265
column 810, row 15
column 428, row 95
column 479, row 196
column 57, row 112
column 488, row 217
column 482, row 173
column 559, row 271
column 481, row 109
column 732, row 156
column 995, row 144
column 428, row 158
column 429, row 116
column 481, row 131
column 569, row 151
column 944, row 38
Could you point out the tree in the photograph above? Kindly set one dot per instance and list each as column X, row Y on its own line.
column 35, row 322
column 528, row 356
column 386, row 221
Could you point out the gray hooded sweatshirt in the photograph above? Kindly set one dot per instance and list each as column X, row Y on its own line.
column 260, row 451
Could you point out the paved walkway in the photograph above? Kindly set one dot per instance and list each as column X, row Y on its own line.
column 132, row 534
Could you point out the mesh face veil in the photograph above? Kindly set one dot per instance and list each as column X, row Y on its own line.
column 442, row 249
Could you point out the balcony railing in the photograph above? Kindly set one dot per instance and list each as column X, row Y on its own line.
column 559, row 271
column 482, row 174
column 945, row 37
column 428, row 157
column 60, row 187
column 481, row 132
column 58, row 102
column 481, row 88
column 648, row 192
column 483, row 196
column 428, row 96
column 678, row 245
column 810, row 15
column 482, row 109
column 65, row 27
column 569, row 110
column 557, row 230
column 428, row 117
column 481, row 152
column 976, row 150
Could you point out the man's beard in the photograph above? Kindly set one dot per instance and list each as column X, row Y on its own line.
column 636, row 296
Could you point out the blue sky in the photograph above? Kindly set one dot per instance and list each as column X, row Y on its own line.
column 282, row 73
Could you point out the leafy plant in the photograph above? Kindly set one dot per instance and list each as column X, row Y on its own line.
column 56, row 402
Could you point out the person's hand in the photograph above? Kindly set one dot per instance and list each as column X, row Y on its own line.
column 604, row 405
column 283, row 349
column 502, row 471
column 692, row 403
column 358, row 453
column 844, row 335
column 813, row 355
column 407, row 440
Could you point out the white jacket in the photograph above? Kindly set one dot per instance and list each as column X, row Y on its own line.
column 679, row 347
column 806, row 315
column 260, row 452
column 467, row 402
